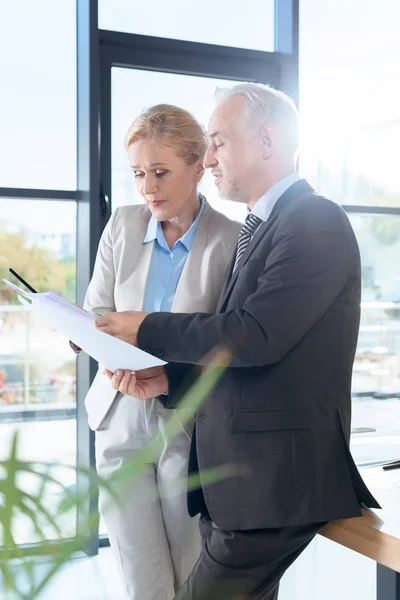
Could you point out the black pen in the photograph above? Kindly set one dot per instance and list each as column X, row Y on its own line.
column 392, row 465
column 26, row 284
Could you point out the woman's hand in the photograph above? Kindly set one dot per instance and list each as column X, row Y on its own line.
column 142, row 385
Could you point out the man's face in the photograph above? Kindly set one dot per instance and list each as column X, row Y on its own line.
column 234, row 151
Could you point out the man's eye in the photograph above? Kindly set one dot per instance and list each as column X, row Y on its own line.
column 219, row 145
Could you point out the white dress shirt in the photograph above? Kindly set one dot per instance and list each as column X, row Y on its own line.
column 264, row 206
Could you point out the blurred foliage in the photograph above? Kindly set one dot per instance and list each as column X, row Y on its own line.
column 37, row 265
column 18, row 501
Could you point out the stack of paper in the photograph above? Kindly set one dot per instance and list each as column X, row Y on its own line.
column 79, row 327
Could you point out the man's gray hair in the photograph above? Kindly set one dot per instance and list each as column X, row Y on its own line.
column 264, row 103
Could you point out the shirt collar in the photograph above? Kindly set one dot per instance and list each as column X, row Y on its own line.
column 152, row 230
column 264, row 206
column 155, row 232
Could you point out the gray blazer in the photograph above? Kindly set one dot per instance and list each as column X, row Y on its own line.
column 121, row 270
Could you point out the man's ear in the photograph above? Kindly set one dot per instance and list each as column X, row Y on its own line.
column 268, row 141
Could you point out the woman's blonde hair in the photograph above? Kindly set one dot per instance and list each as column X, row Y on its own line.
column 171, row 126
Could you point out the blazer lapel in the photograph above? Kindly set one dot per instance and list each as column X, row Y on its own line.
column 140, row 257
column 296, row 190
column 142, row 275
column 191, row 279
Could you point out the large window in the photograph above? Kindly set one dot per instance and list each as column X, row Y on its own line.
column 350, row 119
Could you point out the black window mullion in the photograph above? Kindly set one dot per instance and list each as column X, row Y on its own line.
column 372, row 210
column 33, row 194
column 89, row 227
column 190, row 58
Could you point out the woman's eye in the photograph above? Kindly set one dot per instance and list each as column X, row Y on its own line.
column 157, row 173
column 219, row 145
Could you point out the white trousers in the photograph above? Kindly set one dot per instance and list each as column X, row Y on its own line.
column 154, row 540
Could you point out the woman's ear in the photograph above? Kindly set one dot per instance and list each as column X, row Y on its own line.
column 199, row 170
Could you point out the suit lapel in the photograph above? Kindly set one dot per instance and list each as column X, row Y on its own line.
column 249, row 251
column 296, row 190
column 227, row 280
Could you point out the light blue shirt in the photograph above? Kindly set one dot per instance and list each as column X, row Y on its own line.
column 166, row 264
column 265, row 205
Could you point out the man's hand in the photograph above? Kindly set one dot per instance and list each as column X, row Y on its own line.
column 143, row 384
column 123, row 325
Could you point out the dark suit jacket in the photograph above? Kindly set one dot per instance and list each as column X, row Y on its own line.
column 290, row 316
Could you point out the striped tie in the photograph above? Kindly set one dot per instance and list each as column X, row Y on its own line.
column 246, row 233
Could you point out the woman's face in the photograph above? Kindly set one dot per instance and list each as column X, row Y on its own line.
column 167, row 184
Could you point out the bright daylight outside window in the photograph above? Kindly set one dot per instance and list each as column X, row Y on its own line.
column 350, row 117
column 37, row 239
column 37, row 366
column 250, row 28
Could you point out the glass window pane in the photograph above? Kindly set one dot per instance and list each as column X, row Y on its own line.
column 37, row 366
column 350, row 99
column 134, row 89
column 350, row 126
column 38, row 94
column 376, row 376
column 226, row 22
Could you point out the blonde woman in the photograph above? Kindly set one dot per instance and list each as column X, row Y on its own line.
column 169, row 254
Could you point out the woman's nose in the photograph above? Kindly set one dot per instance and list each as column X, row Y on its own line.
column 150, row 185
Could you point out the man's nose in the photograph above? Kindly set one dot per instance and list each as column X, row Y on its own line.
column 210, row 160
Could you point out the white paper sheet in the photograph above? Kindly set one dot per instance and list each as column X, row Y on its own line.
column 78, row 326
